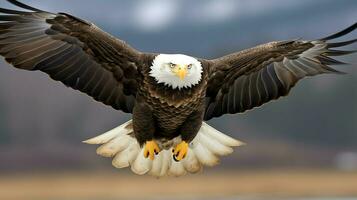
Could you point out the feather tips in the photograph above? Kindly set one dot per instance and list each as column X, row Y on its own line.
column 40, row 40
column 205, row 149
column 269, row 71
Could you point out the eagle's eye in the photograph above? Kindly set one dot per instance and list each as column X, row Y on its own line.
column 172, row 65
column 189, row 66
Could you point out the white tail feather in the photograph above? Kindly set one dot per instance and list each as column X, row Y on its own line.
column 191, row 163
column 141, row 165
column 176, row 169
column 219, row 136
column 126, row 157
column 156, row 165
column 106, row 137
column 114, row 146
column 166, row 161
column 205, row 156
column 203, row 150
column 214, row 146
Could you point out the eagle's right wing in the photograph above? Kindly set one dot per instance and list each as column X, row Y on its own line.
column 253, row 77
column 72, row 51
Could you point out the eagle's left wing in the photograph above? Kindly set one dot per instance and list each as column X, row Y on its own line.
column 253, row 77
column 73, row 51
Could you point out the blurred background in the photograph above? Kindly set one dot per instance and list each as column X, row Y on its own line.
column 302, row 146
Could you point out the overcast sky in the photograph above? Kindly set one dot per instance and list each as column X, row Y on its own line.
column 156, row 15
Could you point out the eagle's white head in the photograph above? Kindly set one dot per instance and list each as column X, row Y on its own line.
column 176, row 71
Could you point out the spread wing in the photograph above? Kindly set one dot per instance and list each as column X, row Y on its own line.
column 72, row 51
column 253, row 77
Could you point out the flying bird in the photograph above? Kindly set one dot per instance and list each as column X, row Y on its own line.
column 169, row 96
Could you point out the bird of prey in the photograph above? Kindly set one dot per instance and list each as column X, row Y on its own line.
column 169, row 96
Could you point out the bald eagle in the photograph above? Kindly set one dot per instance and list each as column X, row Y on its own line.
column 169, row 96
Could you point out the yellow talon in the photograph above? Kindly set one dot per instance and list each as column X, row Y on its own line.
column 180, row 151
column 151, row 149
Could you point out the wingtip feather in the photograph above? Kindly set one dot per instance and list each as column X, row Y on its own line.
column 25, row 6
column 341, row 33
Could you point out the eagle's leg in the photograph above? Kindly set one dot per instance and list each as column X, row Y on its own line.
column 151, row 149
column 180, row 151
column 144, row 128
column 189, row 130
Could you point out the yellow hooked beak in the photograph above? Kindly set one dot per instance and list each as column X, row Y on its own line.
column 181, row 71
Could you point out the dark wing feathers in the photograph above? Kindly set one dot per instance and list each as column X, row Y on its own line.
column 27, row 7
column 82, row 56
column 340, row 34
column 72, row 51
column 250, row 78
